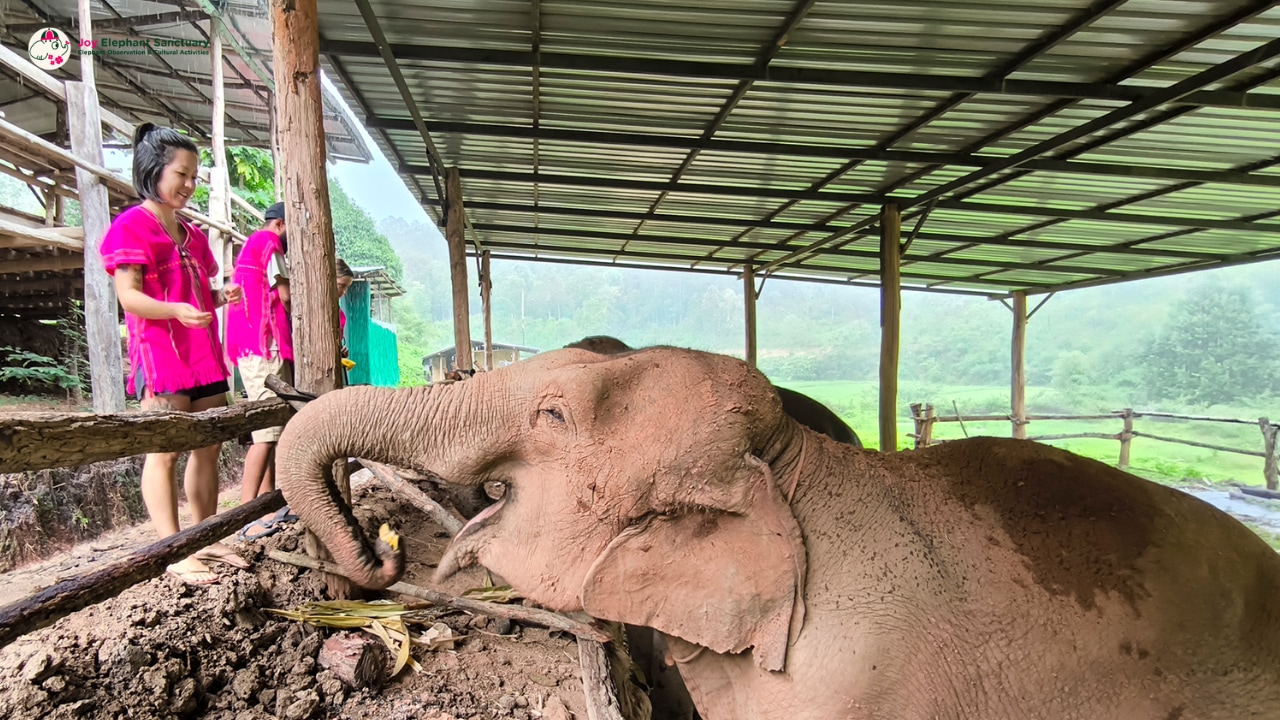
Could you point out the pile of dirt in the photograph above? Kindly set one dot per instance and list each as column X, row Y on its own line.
column 167, row 650
column 47, row 511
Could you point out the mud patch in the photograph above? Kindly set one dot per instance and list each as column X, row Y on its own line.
column 166, row 650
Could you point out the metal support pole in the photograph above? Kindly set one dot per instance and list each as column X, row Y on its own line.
column 749, row 303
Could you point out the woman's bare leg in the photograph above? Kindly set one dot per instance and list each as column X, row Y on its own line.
column 160, row 493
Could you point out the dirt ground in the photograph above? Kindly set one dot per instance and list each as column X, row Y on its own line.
column 166, row 650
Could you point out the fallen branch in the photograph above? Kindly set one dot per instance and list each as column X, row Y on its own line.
column 518, row 613
column 43, row 440
column 47, row 606
column 437, row 512
column 1258, row 492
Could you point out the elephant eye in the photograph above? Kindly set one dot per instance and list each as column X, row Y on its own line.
column 554, row 414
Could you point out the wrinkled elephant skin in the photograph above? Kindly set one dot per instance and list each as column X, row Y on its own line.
column 795, row 577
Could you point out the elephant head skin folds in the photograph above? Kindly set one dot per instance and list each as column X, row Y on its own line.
column 797, row 577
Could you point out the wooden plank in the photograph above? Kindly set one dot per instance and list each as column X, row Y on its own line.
column 14, row 235
column 1194, row 443
column 42, row 440
column 102, row 328
column 41, row 264
column 749, row 308
column 48, row 605
column 1203, row 418
column 1018, row 369
column 890, row 322
column 312, row 279
column 456, row 235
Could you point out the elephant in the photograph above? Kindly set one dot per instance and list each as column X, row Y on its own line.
column 811, row 413
column 797, row 577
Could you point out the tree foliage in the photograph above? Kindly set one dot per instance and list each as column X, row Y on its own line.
column 1214, row 349
column 356, row 235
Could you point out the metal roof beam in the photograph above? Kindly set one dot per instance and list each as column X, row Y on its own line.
column 437, row 166
column 651, row 185
column 833, row 152
column 726, row 271
column 1102, row 216
column 1164, row 96
column 799, row 76
column 113, row 24
column 649, row 217
column 671, row 257
column 868, row 255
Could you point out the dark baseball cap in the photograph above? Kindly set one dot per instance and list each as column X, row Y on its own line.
column 275, row 212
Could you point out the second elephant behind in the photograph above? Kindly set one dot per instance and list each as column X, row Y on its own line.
column 804, row 409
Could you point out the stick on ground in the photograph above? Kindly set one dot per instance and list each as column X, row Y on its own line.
column 531, row 616
column 47, row 606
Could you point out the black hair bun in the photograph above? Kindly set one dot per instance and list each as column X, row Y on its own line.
column 142, row 132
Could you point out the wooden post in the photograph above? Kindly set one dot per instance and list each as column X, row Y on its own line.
column 890, row 319
column 486, row 298
column 1018, row 370
column 749, row 304
column 101, row 321
column 219, row 188
column 455, row 231
column 923, row 417
column 312, row 281
column 273, row 129
column 218, row 148
column 1270, row 463
column 1126, row 437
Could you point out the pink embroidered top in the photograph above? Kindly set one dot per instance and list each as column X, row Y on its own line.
column 258, row 324
column 171, row 356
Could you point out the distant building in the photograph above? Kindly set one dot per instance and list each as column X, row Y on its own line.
column 371, row 332
column 436, row 365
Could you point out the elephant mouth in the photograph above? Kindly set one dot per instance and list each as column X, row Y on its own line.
column 483, row 518
column 462, row 551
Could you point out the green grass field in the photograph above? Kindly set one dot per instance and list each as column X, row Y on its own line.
column 857, row 403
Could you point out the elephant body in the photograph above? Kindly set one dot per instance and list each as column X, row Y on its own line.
column 796, row 577
column 1011, row 580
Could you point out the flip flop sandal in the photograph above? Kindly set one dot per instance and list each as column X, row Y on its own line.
column 188, row 577
column 268, row 527
column 238, row 563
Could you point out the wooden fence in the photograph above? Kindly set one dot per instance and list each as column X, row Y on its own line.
column 925, row 417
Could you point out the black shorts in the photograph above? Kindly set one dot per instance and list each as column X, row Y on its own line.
column 194, row 394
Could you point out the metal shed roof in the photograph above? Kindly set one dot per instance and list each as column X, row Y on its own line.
column 161, row 85
column 1049, row 145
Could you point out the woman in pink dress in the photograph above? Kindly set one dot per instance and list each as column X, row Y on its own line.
column 163, row 268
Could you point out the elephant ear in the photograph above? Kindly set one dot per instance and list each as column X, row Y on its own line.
column 728, row 577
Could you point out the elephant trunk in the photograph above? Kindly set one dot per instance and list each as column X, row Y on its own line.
column 396, row 427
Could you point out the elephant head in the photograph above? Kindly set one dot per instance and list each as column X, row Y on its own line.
column 645, row 488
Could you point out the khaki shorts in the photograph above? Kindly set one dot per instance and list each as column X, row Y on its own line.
column 253, row 373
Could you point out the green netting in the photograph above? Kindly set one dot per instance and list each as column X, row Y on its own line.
column 371, row 344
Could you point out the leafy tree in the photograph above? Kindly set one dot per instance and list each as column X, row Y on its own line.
column 356, row 235
column 1213, row 349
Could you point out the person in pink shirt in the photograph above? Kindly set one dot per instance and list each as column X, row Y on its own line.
column 260, row 343
column 163, row 269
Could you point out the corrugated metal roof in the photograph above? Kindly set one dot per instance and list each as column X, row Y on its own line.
column 707, row 134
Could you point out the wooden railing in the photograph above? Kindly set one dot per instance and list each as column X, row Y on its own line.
column 925, row 417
